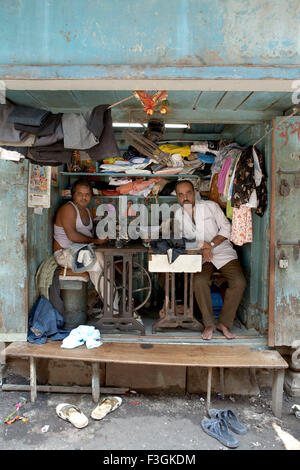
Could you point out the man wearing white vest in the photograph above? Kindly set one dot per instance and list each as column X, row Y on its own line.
column 206, row 222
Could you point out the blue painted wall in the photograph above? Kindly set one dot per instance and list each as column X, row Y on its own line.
column 156, row 32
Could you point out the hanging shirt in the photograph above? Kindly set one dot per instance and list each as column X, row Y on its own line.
column 209, row 221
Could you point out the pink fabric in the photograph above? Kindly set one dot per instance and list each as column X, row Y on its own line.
column 223, row 174
column 136, row 186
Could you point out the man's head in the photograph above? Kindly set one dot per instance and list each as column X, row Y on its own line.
column 81, row 193
column 185, row 192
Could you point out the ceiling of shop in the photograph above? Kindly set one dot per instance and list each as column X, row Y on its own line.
column 213, row 114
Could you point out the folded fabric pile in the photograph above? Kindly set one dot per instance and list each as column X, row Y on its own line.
column 83, row 334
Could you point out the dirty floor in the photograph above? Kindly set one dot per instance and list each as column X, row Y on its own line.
column 144, row 422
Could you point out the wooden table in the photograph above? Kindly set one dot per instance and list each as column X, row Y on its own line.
column 207, row 356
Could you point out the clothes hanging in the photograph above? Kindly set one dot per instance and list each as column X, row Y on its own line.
column 28, row 115
column 100, row 124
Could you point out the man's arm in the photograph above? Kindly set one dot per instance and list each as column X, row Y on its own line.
column 68, row 222
column 223, row 233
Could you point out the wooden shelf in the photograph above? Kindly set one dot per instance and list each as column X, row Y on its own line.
column 127, row 195
column 112, row 173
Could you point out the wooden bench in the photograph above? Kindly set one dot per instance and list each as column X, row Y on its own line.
column 207, row 356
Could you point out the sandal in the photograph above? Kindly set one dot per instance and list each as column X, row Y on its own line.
column 73, row 414
column 105, row 406
column 230, row 419
column 218, row 429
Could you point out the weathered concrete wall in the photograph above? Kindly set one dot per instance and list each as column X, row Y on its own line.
column 169, row 32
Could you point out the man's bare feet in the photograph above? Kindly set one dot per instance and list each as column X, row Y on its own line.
column 208, row 332
column 226, row 332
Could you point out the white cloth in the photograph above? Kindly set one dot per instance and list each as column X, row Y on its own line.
column 80, row 335
column 10, row 155
column 210, row 221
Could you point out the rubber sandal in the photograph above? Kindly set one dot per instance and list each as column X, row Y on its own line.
column 105, row 406
column 218, row 429
column 73, row 414
column 230, row 418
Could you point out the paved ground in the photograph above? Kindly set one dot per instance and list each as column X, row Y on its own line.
column 152, row 422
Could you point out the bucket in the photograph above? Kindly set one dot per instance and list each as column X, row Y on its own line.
column 74, row 296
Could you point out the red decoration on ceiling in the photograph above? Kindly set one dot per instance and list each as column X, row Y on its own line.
column 150, row 102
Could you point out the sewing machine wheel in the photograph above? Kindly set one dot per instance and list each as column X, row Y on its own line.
column 141, row 286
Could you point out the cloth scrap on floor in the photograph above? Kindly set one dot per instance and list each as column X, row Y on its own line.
column 83, row 334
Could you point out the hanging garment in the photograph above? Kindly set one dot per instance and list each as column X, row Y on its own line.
column 28, row 115
column 8, row 133
column 230, row 151
column 261, row 189
column 48, row 126
column 76, row 134
column 49, row 155
column 45, row 140
column 100, row 124
column 223, row 174
column 214, row 192
column 243, row 182
column 241, row 232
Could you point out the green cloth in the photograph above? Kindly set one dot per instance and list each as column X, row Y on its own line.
column 229, row 210
column 44, row 276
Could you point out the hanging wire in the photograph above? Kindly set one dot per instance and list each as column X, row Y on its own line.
column 295, row 111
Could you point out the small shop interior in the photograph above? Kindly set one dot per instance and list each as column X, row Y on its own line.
column 139, row 147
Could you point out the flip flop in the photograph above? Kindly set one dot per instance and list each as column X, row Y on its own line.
column 218, row 429
column 105, row 406
column 73, row 414
column 230, row 418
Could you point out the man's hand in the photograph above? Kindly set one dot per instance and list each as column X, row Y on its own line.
column 100, row 241
column 207, row 254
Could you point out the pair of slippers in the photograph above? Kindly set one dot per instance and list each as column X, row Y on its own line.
column 75, row 416
column 219, row 424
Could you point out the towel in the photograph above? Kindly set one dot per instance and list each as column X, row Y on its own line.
column 80, row 335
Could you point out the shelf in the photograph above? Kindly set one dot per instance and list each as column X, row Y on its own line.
column 126, row 195
column 152, row 175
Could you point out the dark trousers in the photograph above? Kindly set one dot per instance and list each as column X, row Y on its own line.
column 233, row 274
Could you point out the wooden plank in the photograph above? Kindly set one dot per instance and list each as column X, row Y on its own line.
column 277, row 392
column 33, row 384
column 271, row 309
column 63, row 389
column 155, row 354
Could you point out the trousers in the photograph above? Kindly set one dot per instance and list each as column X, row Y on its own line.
column 233, row 274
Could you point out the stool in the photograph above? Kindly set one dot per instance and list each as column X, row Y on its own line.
column 73, row 290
